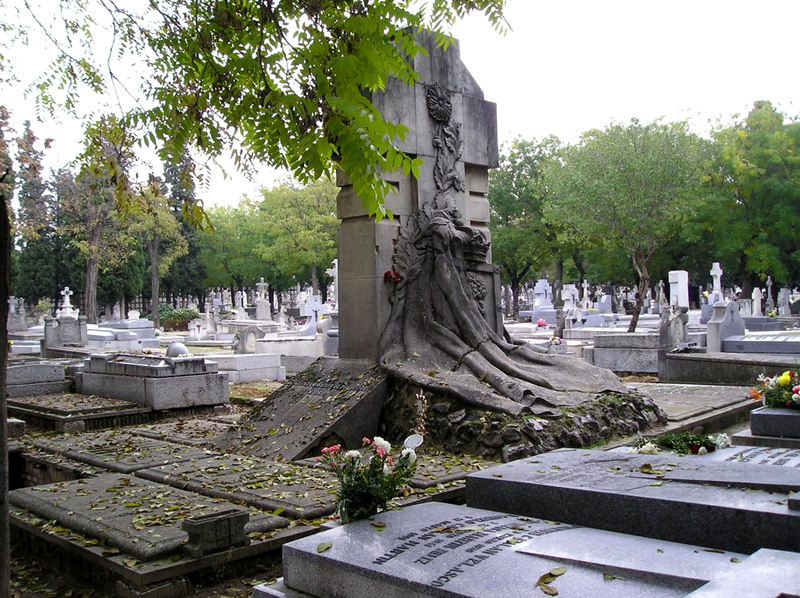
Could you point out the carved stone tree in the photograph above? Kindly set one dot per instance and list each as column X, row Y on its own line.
column 438, row 335
column 418, row 293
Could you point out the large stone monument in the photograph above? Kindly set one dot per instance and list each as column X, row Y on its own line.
column 420, row 290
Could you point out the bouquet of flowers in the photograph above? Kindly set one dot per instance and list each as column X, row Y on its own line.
column 778, row 391
column 370, row 478
column 556, row 340
column 541, row 323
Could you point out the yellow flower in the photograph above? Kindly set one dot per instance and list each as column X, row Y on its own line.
column 785, row 379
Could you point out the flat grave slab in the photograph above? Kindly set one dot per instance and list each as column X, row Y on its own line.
column 139, row 517
column 301, row 492
column 665, row 497
column 119, row 451
column 332, row 398
column 71, row 404
column 195, row 432
column 684, row 401
column 35, row 372
column 443, row 550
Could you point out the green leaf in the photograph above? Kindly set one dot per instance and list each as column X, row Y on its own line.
column 323, row 546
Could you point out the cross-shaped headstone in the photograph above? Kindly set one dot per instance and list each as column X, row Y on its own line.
column 716, row 277
column 66, row 293
column 261, row 288
column 770, row 305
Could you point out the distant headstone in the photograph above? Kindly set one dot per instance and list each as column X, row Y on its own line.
column 726, row 322
column 783, row 302
column 757, row 296
column 333, row 272
column 66, row 309
column 770, row 304
column 679, row 288
column 716, row 278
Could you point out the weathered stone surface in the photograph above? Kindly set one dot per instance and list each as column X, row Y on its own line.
column 683, row 401
column 670, row 498
column 119, row 451
column 139, row 517
column 303, row 492
column 333, row 399
column 71, row 404
column 160, row 392
column 441, row 550
column 38, row 388
column 197, row 432
column 34, row 372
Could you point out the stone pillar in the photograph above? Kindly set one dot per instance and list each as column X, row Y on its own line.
column 366, row 247
column 679, row 288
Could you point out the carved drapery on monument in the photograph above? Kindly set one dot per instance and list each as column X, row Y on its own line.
column 435, row 307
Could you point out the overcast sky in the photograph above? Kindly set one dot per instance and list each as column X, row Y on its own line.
column 568, row 66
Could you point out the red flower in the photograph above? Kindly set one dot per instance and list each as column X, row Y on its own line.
column 387, row 276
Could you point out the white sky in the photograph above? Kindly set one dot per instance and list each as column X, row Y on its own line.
column 572, row 65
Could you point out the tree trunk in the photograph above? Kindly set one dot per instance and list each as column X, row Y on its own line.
column 515, row 297
column 644, row 282
column 558, row 283
column 5, row 269
column 152, row 249
column 314, row 281
column 90, row 290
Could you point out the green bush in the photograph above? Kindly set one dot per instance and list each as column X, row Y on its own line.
column 176, row 319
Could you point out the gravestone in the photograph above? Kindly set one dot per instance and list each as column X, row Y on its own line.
column 445, row 551
column 667, row 497
column 586, row 299
column 757, row 297
column 366, row 247
column 725, row 323
column 65, row 308
column 333, row 272
column 783, row 302
column 331, row 399
column 65, row 331
column 153, row 381
column 263, row 308
column 770, row 303
column 679, row 288
column 16, row 321
column 707, row 309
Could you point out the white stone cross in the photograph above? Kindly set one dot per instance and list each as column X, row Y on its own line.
column 66, row 295
column 261, row 289
column 716, row 277
column 679, row 288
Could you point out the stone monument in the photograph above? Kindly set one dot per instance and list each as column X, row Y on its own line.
column 421, row 289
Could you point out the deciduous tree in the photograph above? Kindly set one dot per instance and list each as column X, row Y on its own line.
column 627, row 186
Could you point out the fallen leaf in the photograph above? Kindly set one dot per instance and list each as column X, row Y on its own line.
column 323, row 546
column 735, row 559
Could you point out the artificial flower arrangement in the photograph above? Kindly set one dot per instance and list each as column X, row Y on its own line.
column 779, row 391
column 368, row 480
column 541, row 323
column 556, row 340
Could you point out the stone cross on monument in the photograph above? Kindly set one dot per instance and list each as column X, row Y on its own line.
column 261, row 289
column 366, row 247
column 333, row 272
column 770, row 304
column 586, row 302
column 66, row 310
column 66, row 294
column 716, row 277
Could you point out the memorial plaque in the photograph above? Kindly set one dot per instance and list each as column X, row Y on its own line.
column 757, row 455
column 139, row 517
column 331, row 399
column 667, row 497
column 444, row 550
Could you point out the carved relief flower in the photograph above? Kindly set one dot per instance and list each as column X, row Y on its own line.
column 439, row 106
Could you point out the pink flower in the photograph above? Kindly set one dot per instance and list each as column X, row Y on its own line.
column 331, row 449
column 796, row 389
column 366, row 440
column 381, row 452
column 389, row 460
